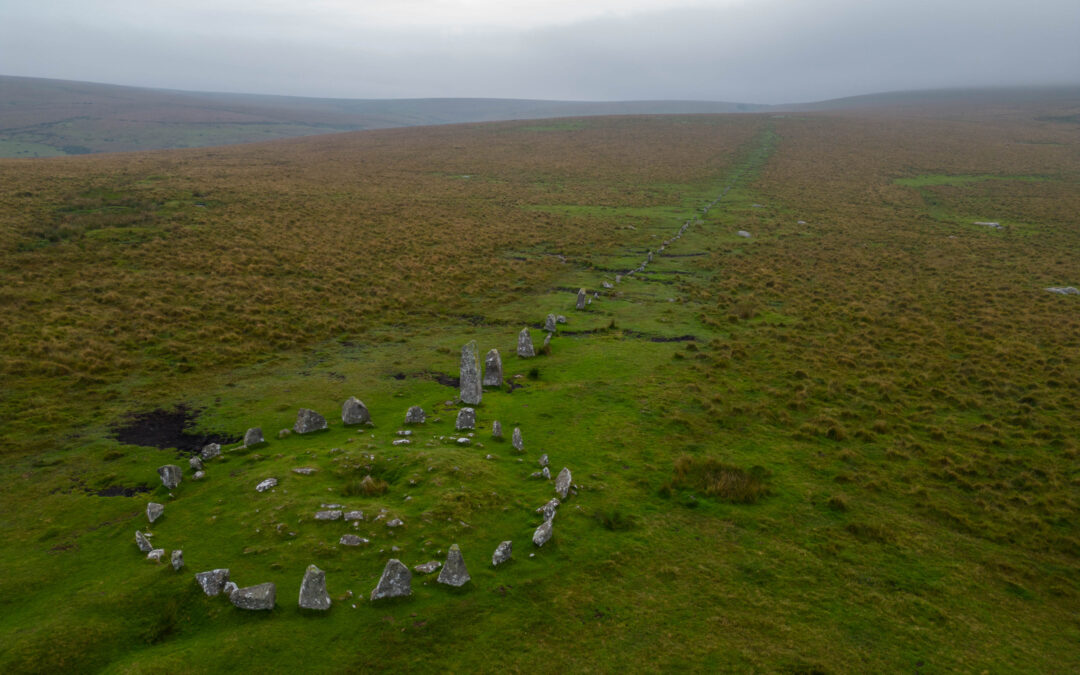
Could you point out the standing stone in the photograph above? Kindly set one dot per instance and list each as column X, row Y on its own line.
column 525, row 346
column 471, row 389
column 154, row 511
column 308, row 421
column 415, row 415
column 453, row 572
column 395, row 582
column 195, row 463
column 210, row 451
column 548, row 510
column 313, row 593
column 502, row 553
column 354, row 411
column 466, row 419
column 178, row 560
column 549, row 323
column 543, row 459
column 212, row 582
column 547, row 341
column 496, row 430
column 253, row 437
column 261, row 597
column 170, row 475
column 142, row 542
column 493, row 376
column 581, row 299
column 542, row 535
column 562, row 483
column 516, row 441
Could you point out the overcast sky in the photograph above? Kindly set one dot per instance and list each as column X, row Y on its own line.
column 760, row 51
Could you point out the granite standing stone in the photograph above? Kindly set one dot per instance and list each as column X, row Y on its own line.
column 353, row 411
column 415, row 415
column 395, row 582
column 471, row 389
column 309, row 421
column 549, row 323
column 170, row 475
column 260, row 597
column 562, row 483
column 516, row 440
column 466, row 419
column 212, row 582
column 210, row 451
column 502, row 553
column 453, row 572
column 581, row 299
column 496, row 430
column 178, row 560
column 253, row 437
column 142, row 542
column 493, row 376
column 313, row 593
column 525, row 346
column 154, row 511
column 542, row 535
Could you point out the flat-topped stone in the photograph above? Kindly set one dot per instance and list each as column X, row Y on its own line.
column 466, row 420
column 427, row 568
column 265, row 485
column 328, row 515
column 415, row 415
column 210, row 451
column 177, row 560
column 353, row 411
column 395, row 582
column 516, row 440
column 549, row 323
column 525, row 347
column 305, row 470
column 156, row 555
column 309, row 421
column 256, row 598
column 352, row 540
column 313, row 593
column 354, row 515
column 253, row 437
column 213, row 581
column 496, row 430
column 493, row 375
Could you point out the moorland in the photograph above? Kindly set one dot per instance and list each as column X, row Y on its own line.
column 844, row 443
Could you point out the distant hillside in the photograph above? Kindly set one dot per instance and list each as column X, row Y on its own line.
column 966, row 101
column 43, row 118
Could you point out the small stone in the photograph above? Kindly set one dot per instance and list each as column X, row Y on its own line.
column 415, row 415
column 228, row 588
column 428, row 567
column 547, row 341
column 210, row 451
column 549, row 323
column 177, row 560
column 353, row 411
column 496, row 430
column 493, row 376
column 453, row 572
column 266, row 485
column 354, row 515
column 352, row 540
column 284, row 433
column 1063, row 290
column 170, row 475
column 212, row 582
column 581, row 299
column 199, row 475
column 606, row 284
column 560, row 319
column 562, row 483
column 517, row 441
column 154, row 511
column 543, row 459
column 464, row 440
column 743, row 233
column 395, row 582
column 395, row 522
column 401, row 441
column 548, row 510
column 502, row 553
column 328, row 515
column 305, row 470
column 466, row 419
column 313, row 593
column 253, row 437
column 260, row 597
column 489, row 456
column 542, row 534
column 195, row 463
column 142, row 542
column 525, row 346
column 404, row 432
column 545, row 473
column 470, row 386
column 309, row 421
column 156, row 555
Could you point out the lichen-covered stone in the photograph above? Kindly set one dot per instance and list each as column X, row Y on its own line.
column 395, row 582
column 309, row 421
column 496, row 430
column 470, row 386
column 525, row 346
column 195, row 463
column 548, row 510
column 562, row 483
column 178, row 560
column 170, row 475
column 266, row 485
column 453, row 572
column 154, row 511
column 352, row 540
column 466, row 420
column 542, row 535
column 156, row 555
column 493, row 375
column 313, row 593
column 415, row 415
column 210, row 451
column 305, row 470
column 543, row 461
column 427, row 568
column 212, row 582
column 253, row 437
column 260, row 597
column 354, row 515
column 328, row 515
column 549, row 323
column 516, row 440
column 503, row 552
column 581, row 299
column 353, row 411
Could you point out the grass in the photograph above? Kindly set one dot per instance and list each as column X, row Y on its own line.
column 857, row 457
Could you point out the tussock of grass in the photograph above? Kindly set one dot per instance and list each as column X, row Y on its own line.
column 716, row 479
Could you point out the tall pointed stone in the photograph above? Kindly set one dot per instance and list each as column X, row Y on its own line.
column 471, row 389
column 395, row 582
column 453, row 572
column 313, row 593
column 493, row 376
column 581, row 299
column 525, row 346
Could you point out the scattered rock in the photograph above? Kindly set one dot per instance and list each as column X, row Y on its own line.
column 309, row 421
column 560, row 319
column 466, row 419
column 581, row 299
column 496, row 430
column 354, row 515
column 547, row 340
column 328, row 515
column 493, row 376
column 253, row 437
column 212, row 582
column 464, row 440
column 395, row 582
column 453, row 572
column 743, row 233
column 353, row 411
column 178, row 560
column 199, row 475
column 154, row 511
column 266, row 485
column 284, row 433
column 543, row 461
column 562, row 483
column 428, row 567
column 516, row 441
column 525, row 346
column 260, row 597
column 313, row 593
column 156, row 555
column 471, row 389
column 542, row 534
column 548, row 510
column 406, row 432
column 606, row 284
column 549, row 323
column 305, row 470
column 228, row 588
column 415, row 415
column 395, row 522
column 195, row 463
column 991, row 225
column 1063, row 290
column 401, row 441
column 502, row 553
column 170, row 475
column 800, row 222
column 210, row 451
column 352, row 540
